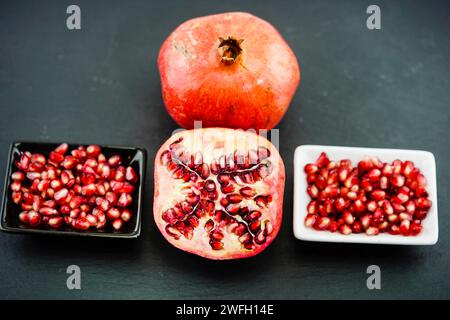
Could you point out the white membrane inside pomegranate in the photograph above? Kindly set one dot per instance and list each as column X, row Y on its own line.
column 219, row 192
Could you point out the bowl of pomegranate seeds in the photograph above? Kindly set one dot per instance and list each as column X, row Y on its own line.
column 365, row 195
column 84, row 190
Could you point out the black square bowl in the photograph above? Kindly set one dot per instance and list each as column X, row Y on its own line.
column 134, row 157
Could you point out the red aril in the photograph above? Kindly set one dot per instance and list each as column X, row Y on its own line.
column 70, row 188
column 375, row 197
column 227, row 70
column 190, row 207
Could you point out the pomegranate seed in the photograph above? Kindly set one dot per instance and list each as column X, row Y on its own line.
column 322, row 161
column 340, row 204
column 372, row 231
column 312, row 207
column 33, row 175
column 38, row 158
column 365, row 165
column 113, row 214
column 116, row 186
column 34, row 218
column 366, row 220
column 81, row 224
column 111, row 197
column 69, row 162
column 131, row 175
column 371, row 206
column 392, row 218
column 415, row 228
column 359, row 205
column 92, row 220
column 331, row 192
column 114, row 161
column 348, row 217
column 23, row 162
column 93, row 150
column 104, row 205
column 397, row 166
column 44, row 185
column 333, row 227
column 387, row 170
column 126, row 188
column 61, row 194
column 421, row 192
column 76, row 202
column 378, row 216
column 24, row 217
column 405, row 216
column 48, row 211
column 310, row 220
column 56, row 158
column 404, row 227
column 423, row 203
column 77, row 189
column 398, row 207
column 421, row 180
column 18, row 176
column 378, row 195
column 332, row 165
column 321, row 183
column 322, row 223
column 407, row 168
column 374, row 175
column 410, row 207
column 312, row 190
column 88, row 190
column 15, row 186
column 62, row 148
column 402, row 197
column 55, row 222
column 126, row 216
column 352, row 195
column 387, row 207
column 351, row 181
column 384, row 183
column 357, row 227
column 328, row 205
column 345, row 163
column 120, row 174
column 311, row 179
column 397, row 180
column 366, row 185
column 16, row 197
column 311, row 168
column 383, row 226
column 117, row 224
column 345, row 229
column 28, row 198
column 37, row 202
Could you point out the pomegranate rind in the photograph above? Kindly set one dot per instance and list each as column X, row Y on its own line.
column 212, row 142
column 252, row 93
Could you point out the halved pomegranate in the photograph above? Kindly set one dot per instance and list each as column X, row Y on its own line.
column 219, row 192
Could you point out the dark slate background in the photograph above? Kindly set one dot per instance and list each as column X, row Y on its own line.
column 385, row 88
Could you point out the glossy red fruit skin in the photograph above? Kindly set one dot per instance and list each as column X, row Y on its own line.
column 161, row 191
column 253, row 92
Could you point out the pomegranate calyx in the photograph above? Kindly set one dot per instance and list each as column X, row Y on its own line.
column 230, row 50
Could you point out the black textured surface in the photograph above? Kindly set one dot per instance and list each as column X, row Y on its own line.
column 385, row 88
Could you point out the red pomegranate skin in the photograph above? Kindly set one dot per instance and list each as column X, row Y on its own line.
column 253, row 91
column 170, row 192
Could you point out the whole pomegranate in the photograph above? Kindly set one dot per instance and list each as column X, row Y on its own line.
column 227, row 70
column 219, row 192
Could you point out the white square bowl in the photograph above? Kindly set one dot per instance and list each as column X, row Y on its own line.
column 423, row 160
